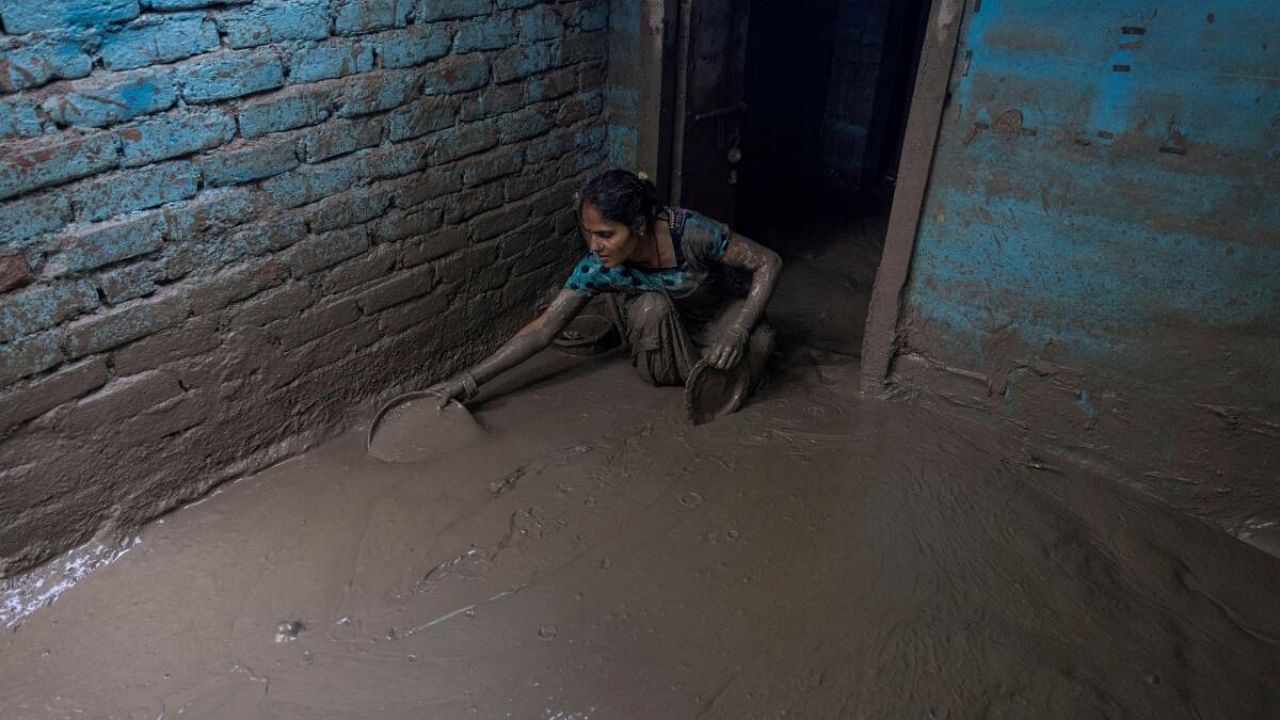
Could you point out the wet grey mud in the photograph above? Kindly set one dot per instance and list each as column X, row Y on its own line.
column 817, row 555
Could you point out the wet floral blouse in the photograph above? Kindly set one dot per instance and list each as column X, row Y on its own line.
column 700, row 244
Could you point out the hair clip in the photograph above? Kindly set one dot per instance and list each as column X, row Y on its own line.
column 642, row 175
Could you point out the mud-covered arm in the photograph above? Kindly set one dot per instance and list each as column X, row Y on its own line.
column 532, row 338
column 529, row 341
column 765, row 267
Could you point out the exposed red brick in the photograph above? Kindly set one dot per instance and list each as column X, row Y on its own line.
column 13, row 273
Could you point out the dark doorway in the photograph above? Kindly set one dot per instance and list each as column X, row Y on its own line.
column 794, row 107
column 828, row 85
column 789, row 125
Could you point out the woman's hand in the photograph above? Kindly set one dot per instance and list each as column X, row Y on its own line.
column 725, row 350
column 461, row 387
column 765, row 266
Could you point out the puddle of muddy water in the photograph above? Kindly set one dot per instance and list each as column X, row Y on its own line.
column 25, row 594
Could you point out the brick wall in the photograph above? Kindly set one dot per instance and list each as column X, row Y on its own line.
column 224, row 224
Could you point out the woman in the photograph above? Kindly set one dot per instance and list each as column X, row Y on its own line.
column 674, row 270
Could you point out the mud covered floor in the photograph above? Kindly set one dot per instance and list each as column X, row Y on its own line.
column 814, row 556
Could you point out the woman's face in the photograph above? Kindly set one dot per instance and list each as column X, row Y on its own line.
column 612, row 242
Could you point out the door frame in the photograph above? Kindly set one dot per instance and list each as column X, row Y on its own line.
column 924, row 124
column 881, row 341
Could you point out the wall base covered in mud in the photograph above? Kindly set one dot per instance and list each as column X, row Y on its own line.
column 1098, row 258
column 224, row 229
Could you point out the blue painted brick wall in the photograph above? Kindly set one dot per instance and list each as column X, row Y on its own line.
column 274, row 210
column 333, row 59
column 167, row 136
column 414, row 46
column 362, row 16
column 489, row 33
column 112, row 101
column 227, row 75
column 159, row 40
column 34, row 61
column 1099, row 253
column 261, row 24
column 24, row 16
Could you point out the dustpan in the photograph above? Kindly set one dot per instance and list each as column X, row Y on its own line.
column 410, row 428
column 710, row 393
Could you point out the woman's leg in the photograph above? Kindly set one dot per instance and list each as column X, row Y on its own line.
column 661, row 348
column 760, row 349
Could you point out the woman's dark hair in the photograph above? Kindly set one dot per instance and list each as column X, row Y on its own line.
column 622, row 196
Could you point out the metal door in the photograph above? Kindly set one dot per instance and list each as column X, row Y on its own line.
column 710, row 105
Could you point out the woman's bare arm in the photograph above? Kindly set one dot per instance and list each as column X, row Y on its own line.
column 765, row 267
column 529, row 341
column 532, row 338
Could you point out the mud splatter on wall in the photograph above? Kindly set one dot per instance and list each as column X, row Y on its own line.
column 223, row 225
column 1098, row 258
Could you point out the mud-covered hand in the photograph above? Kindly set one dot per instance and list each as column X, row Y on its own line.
column 461, row 387
column 726, row 348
